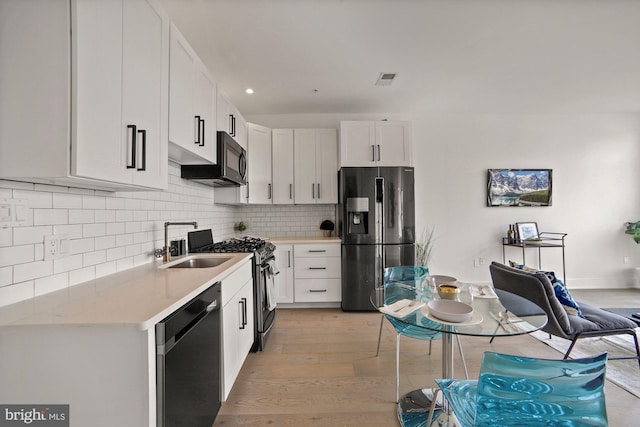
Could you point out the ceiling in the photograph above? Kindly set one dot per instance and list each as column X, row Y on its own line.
column 451, row 56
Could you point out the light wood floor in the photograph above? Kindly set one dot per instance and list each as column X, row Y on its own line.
column 320, row 369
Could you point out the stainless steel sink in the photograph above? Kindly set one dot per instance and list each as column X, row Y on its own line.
column 201, row 262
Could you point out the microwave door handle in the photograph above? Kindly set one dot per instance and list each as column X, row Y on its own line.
column 243, row 165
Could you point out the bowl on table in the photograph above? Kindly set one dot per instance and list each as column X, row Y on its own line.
column 450, row 311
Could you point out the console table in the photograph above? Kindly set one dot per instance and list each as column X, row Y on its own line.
column 547, row 240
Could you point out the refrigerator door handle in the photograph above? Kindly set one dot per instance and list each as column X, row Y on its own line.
column 379, row 211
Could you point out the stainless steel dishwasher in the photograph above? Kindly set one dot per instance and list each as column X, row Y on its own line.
column 188, row 363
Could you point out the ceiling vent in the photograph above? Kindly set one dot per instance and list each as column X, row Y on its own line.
column 386, row 79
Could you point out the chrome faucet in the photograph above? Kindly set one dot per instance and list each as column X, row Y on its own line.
column 166, row 252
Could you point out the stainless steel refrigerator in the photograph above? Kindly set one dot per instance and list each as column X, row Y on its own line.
column 376, row 222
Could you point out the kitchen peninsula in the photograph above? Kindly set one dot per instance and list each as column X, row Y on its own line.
column 93, row 346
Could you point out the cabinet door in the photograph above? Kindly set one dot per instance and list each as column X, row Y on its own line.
column 224, row 113
column 145, row 88
column 121, row 86
column 100, row 145
column 182, row 125
column 231, row 361
column 204, row 106
column 284, row 280
column 246, row 330
column 326, row 166
column 304, row 150
column 357, row 143
column 393, row 140
column 259, row 164
column 241, row 131
column 282, row 149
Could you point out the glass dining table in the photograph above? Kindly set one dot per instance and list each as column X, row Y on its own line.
column 495, row 314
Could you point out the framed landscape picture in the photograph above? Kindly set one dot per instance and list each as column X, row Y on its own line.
column 519, row 187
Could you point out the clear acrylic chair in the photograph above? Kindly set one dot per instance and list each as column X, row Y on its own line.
column 524, row 391
column 411, row 278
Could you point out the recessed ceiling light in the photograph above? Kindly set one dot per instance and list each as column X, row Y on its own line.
column 249, row 91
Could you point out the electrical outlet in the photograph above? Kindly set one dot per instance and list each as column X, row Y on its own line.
column 481, row 261
column 56, row 246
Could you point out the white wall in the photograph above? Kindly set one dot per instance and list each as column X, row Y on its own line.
column 596, row 170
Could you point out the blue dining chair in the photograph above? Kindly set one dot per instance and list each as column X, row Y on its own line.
column 516, row 390
column 410, row 278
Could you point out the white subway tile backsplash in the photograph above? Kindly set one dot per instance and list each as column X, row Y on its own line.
column 93, row 230
column 16, row 293
column 81, row 216
column 93, row 258
column 26, row 235
column 124, row 264
column 71, row 262
column 111, row 232
column 124, row 216
column 118, row 252
column 6, row 276
column 6, row 237
column 115, row 228
column 68, row 201
column 105, row 215
column 105, row 242
column 16, row 255
column 106, row 269
column 82, row 275
column 51, row 283
column 50, row 216
column 73, row 231
column 34, row 199
column 32, row 270
column 93, row 202
column 79, row 246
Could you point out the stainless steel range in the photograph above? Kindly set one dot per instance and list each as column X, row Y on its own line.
column 201, row 241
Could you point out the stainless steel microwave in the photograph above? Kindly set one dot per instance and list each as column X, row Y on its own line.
column 231, row 167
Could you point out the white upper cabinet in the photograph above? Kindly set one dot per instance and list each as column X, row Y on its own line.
column 230, row 120
column 316, row 166
column 282, row 154
column 85, row 93
column 259, row 164
column 192, row 105
column 368, row 143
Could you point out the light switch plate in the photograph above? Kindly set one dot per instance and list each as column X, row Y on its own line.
column 13, row 212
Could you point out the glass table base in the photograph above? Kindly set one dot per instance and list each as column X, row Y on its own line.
column 413, row 410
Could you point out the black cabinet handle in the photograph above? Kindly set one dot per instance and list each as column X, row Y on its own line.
column 202, row 139
column 378, row 152
column 317, row 250
column 318, row 190
column 290, row 191
column 243, row 302
column 317, row 268
column 317, row 290
column 133, row 146
column 197, row 130
column 373, row 153
column 233, row 125
column 313, row 191
column 269, row 189
column 289, row 258
column 144, row 149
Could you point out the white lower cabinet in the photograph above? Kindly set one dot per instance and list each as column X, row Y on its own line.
column 284, row 280
column 317, row 273
column 237, row 325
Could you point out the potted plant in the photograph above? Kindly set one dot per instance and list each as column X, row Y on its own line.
column 327, row 227
column 424, row 247
column 633, row 228
column 241, row 226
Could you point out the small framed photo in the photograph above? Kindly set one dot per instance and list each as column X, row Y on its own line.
column 527, row 231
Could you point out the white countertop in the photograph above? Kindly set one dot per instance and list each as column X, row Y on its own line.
column 294, row 240
column 140, row 296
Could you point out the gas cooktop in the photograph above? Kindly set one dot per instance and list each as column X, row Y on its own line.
column 201, row 241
